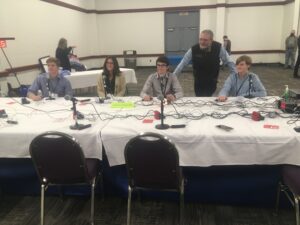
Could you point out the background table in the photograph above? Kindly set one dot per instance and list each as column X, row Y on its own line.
column 89, row 78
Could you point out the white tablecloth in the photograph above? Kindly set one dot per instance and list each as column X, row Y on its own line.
column 15, row 139
column 89, row 78
column 200, row 143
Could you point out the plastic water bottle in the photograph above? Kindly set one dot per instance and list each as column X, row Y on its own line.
column 39, row 93
column 286, row 93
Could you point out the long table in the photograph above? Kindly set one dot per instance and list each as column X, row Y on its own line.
column 200, row 143
column 89, row 78
column 238, row 167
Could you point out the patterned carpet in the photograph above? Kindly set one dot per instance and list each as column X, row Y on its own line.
column 273, row 76
column 19, row 210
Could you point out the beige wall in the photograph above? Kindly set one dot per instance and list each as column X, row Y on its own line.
column 134, row 4
column 255, row 28
column 86, row 4
column 37, row 27
column 208, row 19
column 143, row 32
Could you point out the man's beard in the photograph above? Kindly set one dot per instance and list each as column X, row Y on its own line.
column 204, row 48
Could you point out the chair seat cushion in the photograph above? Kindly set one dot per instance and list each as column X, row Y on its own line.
column 93, row 166
column 291, row 177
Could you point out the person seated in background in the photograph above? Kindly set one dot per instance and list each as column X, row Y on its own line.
column 112, row 80
column 227, row 44
column 76, row 64
column 62, row 53
column 242, row 83
column 162, row 83
column 50, row 83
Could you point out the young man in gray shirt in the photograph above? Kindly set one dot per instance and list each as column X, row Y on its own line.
column 162, row 83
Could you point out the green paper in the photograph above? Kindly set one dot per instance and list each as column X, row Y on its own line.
column 122, row 105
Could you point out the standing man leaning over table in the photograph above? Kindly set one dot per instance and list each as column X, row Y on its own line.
column 206, row 57
column 49, row 83
column 162, row 83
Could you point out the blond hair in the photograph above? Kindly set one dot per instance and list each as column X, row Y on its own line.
column 53, row 60
column 244, row 58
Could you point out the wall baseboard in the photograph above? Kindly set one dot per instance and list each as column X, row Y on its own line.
column 36, row 66
column 168, row 9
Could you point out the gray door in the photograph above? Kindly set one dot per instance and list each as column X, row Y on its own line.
column 181, row 31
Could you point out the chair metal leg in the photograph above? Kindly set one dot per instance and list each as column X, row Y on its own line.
column 129, row 205
column 61, row 192
column 181, row 214
column 102, row 185
column 42, row 203
column 278, row 198
column 93, row 201
column 297, row 210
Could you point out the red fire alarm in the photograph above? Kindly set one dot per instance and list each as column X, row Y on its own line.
column 2, row 44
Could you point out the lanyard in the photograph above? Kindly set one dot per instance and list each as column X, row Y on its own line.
column 238, row 90
column 51, row 88
column 163, row 85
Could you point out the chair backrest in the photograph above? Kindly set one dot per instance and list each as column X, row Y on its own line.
column 12, row 92
column 152, row 162
column 58, row 159
column 43, row 64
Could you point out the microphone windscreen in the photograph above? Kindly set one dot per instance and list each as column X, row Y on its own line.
column 160, row 97
column 68, row 97
column 157, row 115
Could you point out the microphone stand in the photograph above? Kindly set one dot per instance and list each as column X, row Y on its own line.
column 162, row 126
column 77, row 126
column 23, row 100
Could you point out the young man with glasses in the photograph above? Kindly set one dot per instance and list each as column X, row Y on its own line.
column 162, row 83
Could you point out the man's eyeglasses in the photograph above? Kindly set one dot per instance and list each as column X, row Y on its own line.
column 161, row 65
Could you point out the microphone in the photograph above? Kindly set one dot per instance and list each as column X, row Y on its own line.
column 68, row 97
column 85, row 100
column 104, row 85
column 76, row 115
column 250, row 82
column 161, row 126
column 161, row 78
column 160, row 97
column 250, row 87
